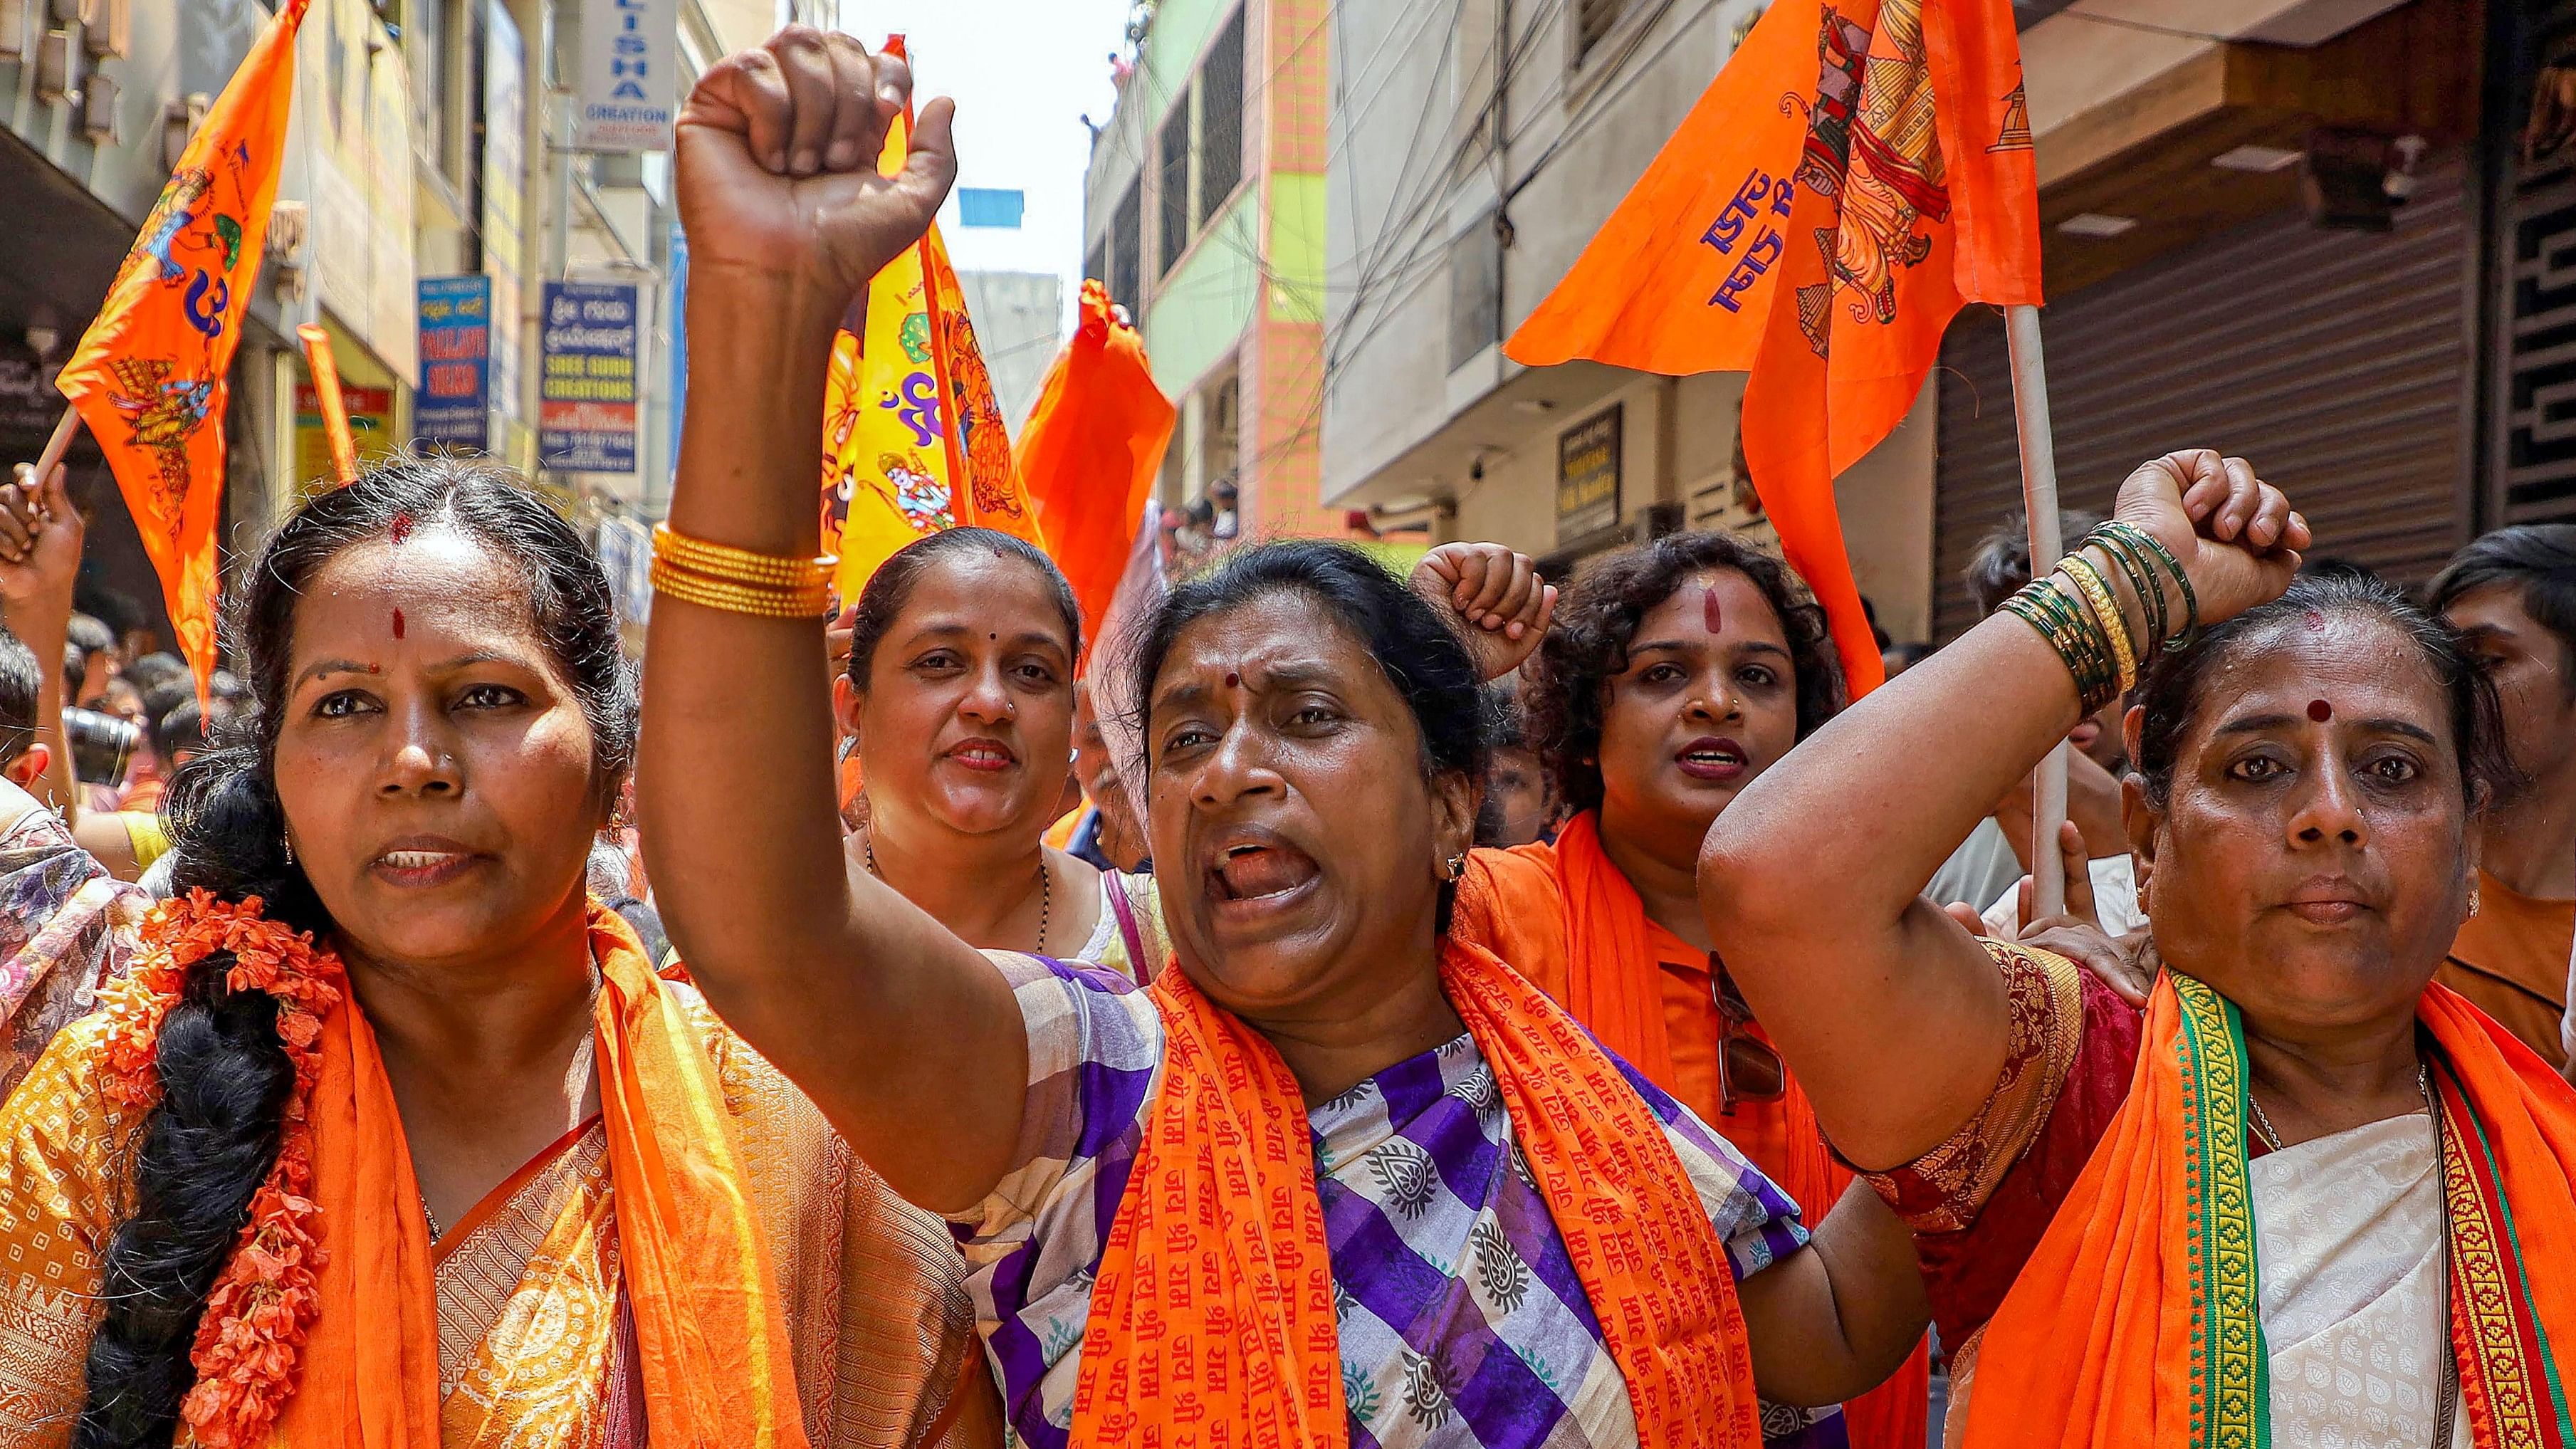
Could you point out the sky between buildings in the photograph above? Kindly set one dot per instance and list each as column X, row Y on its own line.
column 1023, row 72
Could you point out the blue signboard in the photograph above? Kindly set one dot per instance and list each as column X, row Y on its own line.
column 586, row 392
column 454, row 406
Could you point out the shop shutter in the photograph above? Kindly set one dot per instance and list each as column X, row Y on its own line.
column 2337, row 361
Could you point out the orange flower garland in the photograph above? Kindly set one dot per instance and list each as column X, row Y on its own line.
column 252, row 1335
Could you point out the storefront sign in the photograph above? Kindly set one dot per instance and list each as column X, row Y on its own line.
column 586, row 391
column 629, row 74
column 454, row 408
column 371, row 425
column 1587, row 477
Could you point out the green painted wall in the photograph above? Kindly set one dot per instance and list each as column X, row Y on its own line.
column 1297, row 247
column 1201, row 310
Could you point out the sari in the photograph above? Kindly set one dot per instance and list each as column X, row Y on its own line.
column 1568, row 918
column 1409, row 1265
column 700, row 1263
column 66, row 929
column 2182, row 1295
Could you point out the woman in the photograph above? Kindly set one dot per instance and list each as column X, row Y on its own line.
column 2303, row 812
column 1677, row 672
column 1161, row 1241
column 959, row 703
column 500, row 1183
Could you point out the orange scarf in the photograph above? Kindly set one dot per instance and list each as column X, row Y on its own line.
column 1212, row 1318
column 1613, row 983
column 713, row 1354
column 2134, row 1321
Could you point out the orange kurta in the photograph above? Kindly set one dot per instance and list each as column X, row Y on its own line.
column 2511, row 961
column 1516, row 904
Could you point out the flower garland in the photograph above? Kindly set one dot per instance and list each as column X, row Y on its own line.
column 252, row 1335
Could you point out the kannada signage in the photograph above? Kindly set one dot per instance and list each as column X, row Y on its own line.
column 1587, row 477
column 454, row 406
column 629, row 74
column 586, row 389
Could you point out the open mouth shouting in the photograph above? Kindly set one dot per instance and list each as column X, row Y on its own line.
column 1252, row 871
column 1714, row 759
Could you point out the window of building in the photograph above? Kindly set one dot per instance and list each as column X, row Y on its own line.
column 1221, row 100
column 1172, row 194
column 1475, row 291
column 984, row 207
column 1594, row 20
column 1126, row 245
column 1222, row 448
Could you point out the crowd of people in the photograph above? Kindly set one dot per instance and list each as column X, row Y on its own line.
column 1339, row 1009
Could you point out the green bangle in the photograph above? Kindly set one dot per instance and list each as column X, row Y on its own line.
column 2191, row 602
column 2078, row 640
column 2142, row 582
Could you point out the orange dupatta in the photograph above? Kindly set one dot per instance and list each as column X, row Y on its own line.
column 2134, row 1323
column 713, row 1354
column 1212, row 1318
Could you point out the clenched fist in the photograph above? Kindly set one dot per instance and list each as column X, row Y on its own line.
column 777, row 155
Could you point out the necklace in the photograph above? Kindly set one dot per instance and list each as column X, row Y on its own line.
column 435, row 1231
column 2272, row 1139
column 1046, row 887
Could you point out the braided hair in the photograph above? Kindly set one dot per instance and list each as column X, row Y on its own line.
column 214, row 1136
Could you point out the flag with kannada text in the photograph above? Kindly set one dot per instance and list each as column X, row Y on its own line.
column 1858, row 172
column 148, row 375
column 913, row 437
column 1090, row 450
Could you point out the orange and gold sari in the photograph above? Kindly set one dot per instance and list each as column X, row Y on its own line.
column 1567, row 917
column 2136, row 1321
column 702, row 1263
column 1213, row 1323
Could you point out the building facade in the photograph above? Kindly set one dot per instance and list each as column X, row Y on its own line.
column 2319, row 233
column 1205, row 216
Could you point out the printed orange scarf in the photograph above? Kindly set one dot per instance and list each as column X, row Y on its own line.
column 714, row 1358
column 1212, row 1320
column 2135, row 1322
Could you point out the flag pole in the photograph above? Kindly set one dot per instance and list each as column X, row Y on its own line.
column 2047, row 546
column 57, row 445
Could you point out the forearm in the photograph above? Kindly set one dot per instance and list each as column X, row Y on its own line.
column 1834, row 1322
column 47, row 636
column 1890, row 1014
column 825, row 973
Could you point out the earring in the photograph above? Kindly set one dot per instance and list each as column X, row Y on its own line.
column 2473, row 900
column 289, row 842
column 1457, row 868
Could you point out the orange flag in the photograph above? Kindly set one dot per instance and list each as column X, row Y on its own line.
column 913, row 438
column 1858, row 172
column 335, row 409
column 1091, row 449
column 148, row 376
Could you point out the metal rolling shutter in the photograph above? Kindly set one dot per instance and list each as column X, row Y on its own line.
column 2337, row 361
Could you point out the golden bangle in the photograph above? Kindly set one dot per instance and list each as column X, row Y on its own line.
column 2107, row 613
column 761, row 601
column 739, row 565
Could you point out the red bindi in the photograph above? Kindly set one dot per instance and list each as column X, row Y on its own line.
column 398, row 623
column 2320, row 711
column 1709, row 611
column 402, row 527
column 1233, row 680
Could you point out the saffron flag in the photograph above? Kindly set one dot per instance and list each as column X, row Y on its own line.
column 1858, row 172
column 913, row 438
column 335, row 409
column 1091, row 449
column 148, row 376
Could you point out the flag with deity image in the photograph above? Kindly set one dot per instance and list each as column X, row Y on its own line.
column 148, row 377
column 1858, row 172
column 913, row 438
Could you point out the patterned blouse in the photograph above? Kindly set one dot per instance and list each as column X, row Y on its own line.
column 66, row 926
column 1463, row 1325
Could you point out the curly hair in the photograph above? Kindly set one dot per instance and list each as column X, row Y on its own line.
column 214, row 1136
column 1568, row 688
